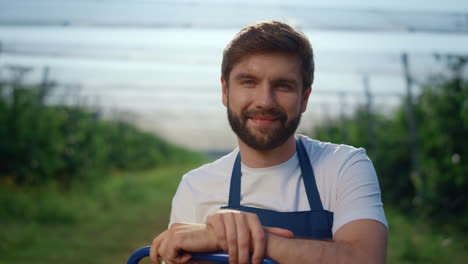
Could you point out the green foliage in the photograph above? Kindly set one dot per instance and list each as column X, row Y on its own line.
column 438, row 190
column 388, row 148
column 443, row 139
column 40, row 143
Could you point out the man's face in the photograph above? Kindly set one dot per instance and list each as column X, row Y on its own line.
column 265, row 99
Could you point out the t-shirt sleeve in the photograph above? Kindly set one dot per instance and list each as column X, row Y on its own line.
column 358, row 193
column 182, row 209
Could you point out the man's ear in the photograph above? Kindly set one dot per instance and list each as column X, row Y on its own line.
column 225, row 91
column 305, row 99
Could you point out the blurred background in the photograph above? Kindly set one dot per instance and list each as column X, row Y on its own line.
column 104, row 105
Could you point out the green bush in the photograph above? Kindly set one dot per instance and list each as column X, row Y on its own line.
column 438, row 190
column 41, row 143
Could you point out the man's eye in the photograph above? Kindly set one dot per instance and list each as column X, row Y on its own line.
column 247, row 82
column 285, row 86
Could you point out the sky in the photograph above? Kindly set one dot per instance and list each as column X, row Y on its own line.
column 160, row 60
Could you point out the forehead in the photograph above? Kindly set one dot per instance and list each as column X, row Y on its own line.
column 268, row 65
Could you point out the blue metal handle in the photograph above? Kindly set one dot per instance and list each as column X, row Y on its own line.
column 218, row 256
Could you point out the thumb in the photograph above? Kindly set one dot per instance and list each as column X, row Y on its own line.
column 280, row 232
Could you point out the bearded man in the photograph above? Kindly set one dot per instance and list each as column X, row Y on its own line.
column 281, row 195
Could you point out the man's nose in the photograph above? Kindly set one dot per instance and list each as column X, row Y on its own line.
column 265, row 97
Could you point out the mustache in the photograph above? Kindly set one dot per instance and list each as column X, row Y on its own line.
column 274, row 113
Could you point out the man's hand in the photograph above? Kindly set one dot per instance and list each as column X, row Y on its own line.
column 240, row 233
column 174, row 244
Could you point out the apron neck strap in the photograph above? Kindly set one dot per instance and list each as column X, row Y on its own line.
column 308, row 177
column 235, row 188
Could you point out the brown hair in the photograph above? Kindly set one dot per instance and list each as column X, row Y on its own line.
column 266, row 37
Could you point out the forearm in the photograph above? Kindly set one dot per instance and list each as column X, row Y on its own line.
column 291, row 250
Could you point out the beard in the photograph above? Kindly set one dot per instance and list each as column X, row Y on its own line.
column 263, row 138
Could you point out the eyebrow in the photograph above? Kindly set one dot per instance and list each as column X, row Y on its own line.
column 241, row 76
column 285, row 80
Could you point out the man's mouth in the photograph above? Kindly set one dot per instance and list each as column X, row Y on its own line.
column 263, row 121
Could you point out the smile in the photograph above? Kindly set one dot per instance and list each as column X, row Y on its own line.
column 263, row 121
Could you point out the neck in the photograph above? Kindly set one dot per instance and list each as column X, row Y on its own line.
column 254, row 158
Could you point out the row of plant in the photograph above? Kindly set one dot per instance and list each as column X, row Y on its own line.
column 426, row 173
column 42, row 143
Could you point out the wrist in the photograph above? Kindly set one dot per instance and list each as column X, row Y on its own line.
column 271, row 248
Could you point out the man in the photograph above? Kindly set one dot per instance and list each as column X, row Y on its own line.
column 285, row 196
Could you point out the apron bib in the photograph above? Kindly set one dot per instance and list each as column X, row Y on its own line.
column 316, row 223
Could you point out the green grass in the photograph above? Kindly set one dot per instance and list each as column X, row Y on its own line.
column 418, row 240
column 106, row 221
column 99, row 223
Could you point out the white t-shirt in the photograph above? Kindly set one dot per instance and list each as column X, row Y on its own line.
column 345, row 178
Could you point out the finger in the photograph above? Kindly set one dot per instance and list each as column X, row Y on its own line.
column 154, row 255
column 184, row 257
column 169, row 252
column 258, row 238
column 231, row 236
column 216, row 223
column 161, row 252
column 167, row 249
column 280, row 232
column 243, row 238
column 170, row 248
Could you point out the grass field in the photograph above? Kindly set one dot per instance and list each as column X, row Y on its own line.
column 105, row 222
column 102, row 223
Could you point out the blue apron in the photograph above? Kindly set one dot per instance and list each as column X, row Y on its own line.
column 316, row 223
